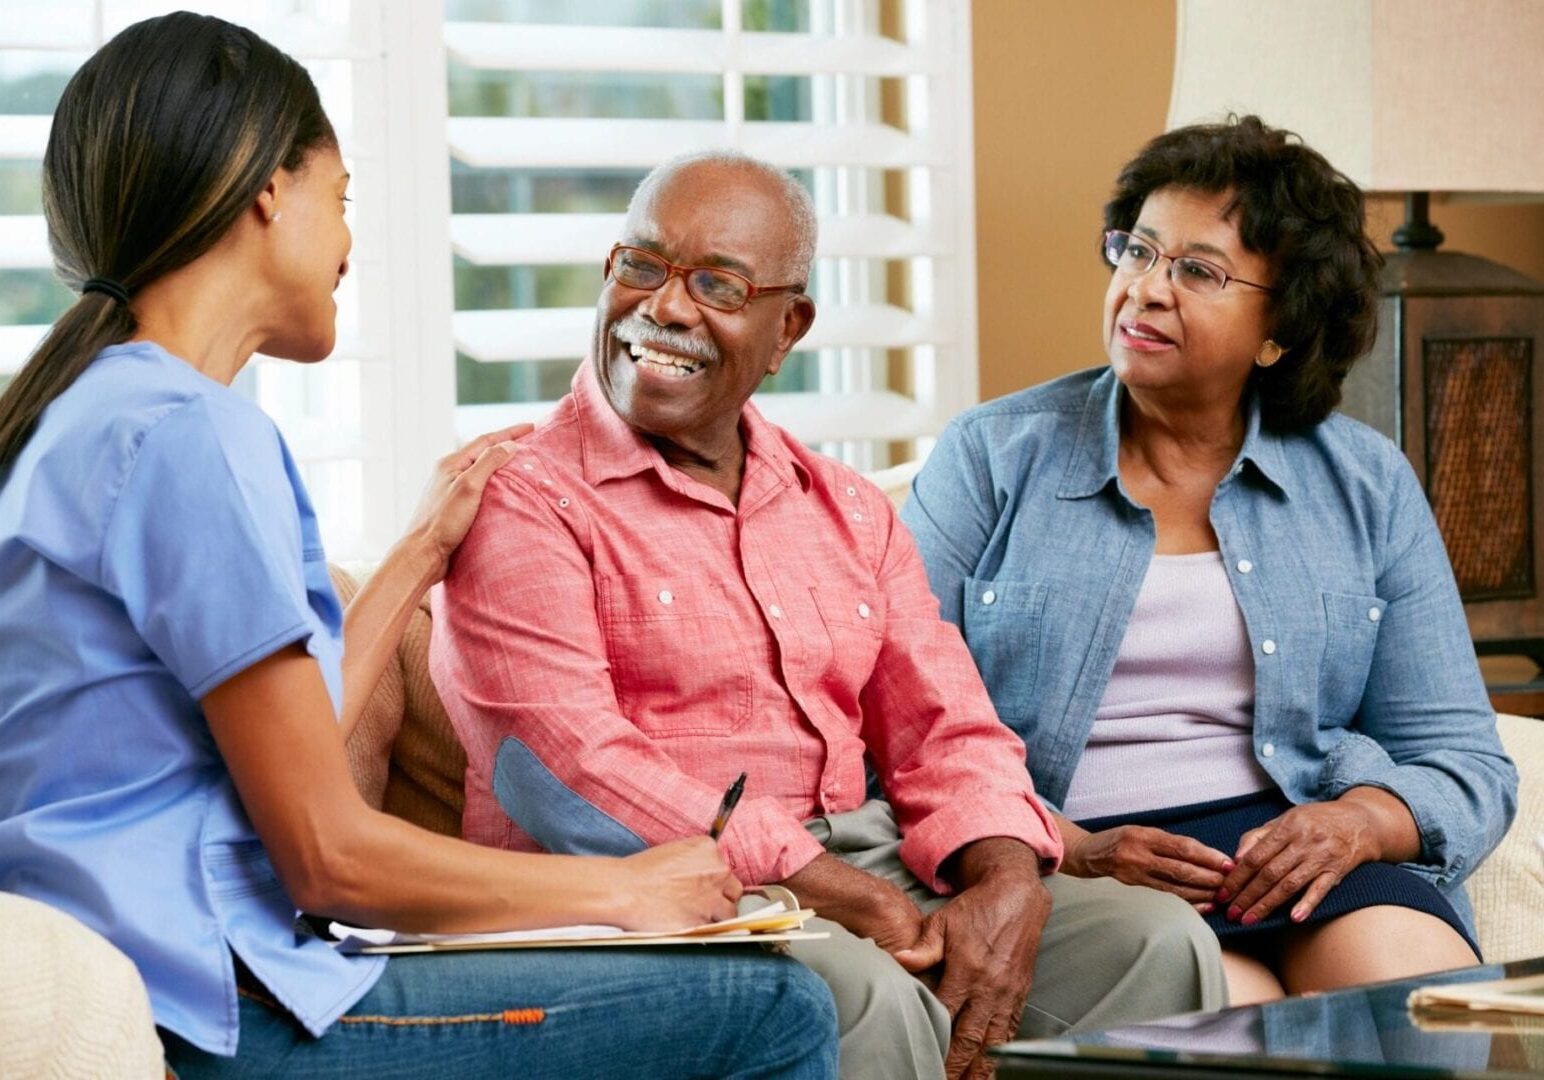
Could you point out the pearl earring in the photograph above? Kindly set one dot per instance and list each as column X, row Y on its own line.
column 277, row 214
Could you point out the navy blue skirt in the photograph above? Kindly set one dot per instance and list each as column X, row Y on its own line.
column 1222, row 823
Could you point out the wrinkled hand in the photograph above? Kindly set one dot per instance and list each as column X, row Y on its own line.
column 687, row 882
column 450, row 499
column 1309, row 847
column 986, row 939
column 866, row 904
column 1138, row 855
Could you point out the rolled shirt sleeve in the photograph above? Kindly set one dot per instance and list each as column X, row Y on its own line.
column 1425, row 730
column 952, row 771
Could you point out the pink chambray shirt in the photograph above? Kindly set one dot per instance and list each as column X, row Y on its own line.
column 646, row 641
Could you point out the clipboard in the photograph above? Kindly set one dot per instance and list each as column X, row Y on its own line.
column 775, row 923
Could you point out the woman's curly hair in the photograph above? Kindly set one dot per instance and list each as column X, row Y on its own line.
column 1305, row 217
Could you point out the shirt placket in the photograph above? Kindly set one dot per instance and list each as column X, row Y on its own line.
column 766, row 541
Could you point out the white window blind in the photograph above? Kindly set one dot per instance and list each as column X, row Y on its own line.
column 494, row 144
column 552, row 124
column 362, row 424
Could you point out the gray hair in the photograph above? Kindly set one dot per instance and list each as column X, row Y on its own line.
column 801, row 208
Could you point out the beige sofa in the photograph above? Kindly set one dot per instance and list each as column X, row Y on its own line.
column 406, row 760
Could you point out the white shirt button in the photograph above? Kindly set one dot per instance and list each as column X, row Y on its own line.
column 863, row 611
column 775, row 611
column 666, row 596
column 857, row 517
column 1244, row 566
column 989, row 597
column 852, row 491
column 528, row 466
column 1374, row 613
column 1267, row 646
column 563, row 502
column 1268, row 750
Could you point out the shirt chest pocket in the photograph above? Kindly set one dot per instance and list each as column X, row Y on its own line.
column 1002, row 627
column 854, row 621
column 677, row 663
column 1351, row 622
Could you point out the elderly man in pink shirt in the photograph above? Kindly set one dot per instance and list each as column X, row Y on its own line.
column 663, row 590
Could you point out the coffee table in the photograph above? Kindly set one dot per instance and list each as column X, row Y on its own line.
column 1362, row 1032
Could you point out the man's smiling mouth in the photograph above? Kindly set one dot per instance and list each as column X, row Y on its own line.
column 664, row 363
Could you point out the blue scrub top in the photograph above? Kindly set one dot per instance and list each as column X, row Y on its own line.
column 156, row 539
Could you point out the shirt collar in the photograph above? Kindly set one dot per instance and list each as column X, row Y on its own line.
column 1095, row 453
column 610, row 450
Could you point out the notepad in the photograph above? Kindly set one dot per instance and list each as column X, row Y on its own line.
column 779, row 920
column 1524, row 994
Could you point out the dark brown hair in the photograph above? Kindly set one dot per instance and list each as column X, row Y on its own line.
column 159, row 144
column 1308, row 219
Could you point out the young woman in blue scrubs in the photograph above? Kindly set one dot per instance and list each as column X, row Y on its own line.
column 174, row 692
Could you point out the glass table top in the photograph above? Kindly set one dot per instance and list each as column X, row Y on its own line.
column 1362, row 1032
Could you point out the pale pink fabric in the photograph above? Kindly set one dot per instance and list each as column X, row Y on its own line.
column 1176, row 725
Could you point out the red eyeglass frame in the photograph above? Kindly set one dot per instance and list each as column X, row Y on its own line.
column 752, row 290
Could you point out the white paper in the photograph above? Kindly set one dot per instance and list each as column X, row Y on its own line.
column 354, row 936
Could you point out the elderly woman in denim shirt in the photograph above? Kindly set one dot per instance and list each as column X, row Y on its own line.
column 1220, row 615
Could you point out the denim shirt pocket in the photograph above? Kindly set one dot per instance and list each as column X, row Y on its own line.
column 1351, row 623
column 1002, row 628
column 678, row 666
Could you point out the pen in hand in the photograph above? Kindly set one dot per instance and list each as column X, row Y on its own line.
column 725, row 808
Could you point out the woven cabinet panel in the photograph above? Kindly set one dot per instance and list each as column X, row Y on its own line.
column 1479, row 461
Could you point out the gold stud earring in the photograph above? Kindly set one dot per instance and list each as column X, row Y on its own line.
column 1269, row 353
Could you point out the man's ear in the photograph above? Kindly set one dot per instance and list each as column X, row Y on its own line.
column 798, row 317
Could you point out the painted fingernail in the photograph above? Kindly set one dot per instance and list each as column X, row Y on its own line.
column 1228, row 865
column 1205, row 909
column 1223, row 896
column 1251, row 919
column 1233, row 913
column 1298, row 914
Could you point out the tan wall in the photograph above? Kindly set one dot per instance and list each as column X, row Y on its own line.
column 1053, row 126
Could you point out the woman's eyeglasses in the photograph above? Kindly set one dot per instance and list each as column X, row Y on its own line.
column 711, row 286
column 1137, row 255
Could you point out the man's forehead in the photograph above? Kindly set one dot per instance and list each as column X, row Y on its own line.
column 715, row 216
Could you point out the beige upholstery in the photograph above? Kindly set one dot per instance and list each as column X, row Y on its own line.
column 1508, row 887
column 404, row 753
column 70, row 1004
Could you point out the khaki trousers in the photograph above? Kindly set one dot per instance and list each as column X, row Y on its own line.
column 1110, row 954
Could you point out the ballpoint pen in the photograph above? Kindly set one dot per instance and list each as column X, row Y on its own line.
column 725, row 808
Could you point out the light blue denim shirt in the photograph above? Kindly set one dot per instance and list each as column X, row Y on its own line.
column 156, row 539
column 1364, row 670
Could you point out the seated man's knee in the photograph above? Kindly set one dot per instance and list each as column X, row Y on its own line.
column 1157, row 941
column 1169, row 941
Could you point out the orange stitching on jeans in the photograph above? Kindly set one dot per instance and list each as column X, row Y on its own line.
column 517, row 1017
column 508, row 1016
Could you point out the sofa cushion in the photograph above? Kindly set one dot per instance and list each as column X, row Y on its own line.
column 1508, row 887
column 403, row 752
column 70, row 1003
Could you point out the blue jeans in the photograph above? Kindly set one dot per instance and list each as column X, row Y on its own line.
column 690, row 1012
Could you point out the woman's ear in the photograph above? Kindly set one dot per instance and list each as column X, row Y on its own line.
column 267, row 203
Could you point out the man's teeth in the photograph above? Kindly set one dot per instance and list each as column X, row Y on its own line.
column 1134, row 332
column 665, row 363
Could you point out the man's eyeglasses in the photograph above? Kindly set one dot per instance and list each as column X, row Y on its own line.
column 711, row 286
column 1137, row 255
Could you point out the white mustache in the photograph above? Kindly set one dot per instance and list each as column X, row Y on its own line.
column 633, row 330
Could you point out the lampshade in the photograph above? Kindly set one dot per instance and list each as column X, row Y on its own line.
column 1400, row 95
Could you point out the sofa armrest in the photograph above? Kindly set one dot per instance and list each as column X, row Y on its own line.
column 70, row 1003
column 1508, row 887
